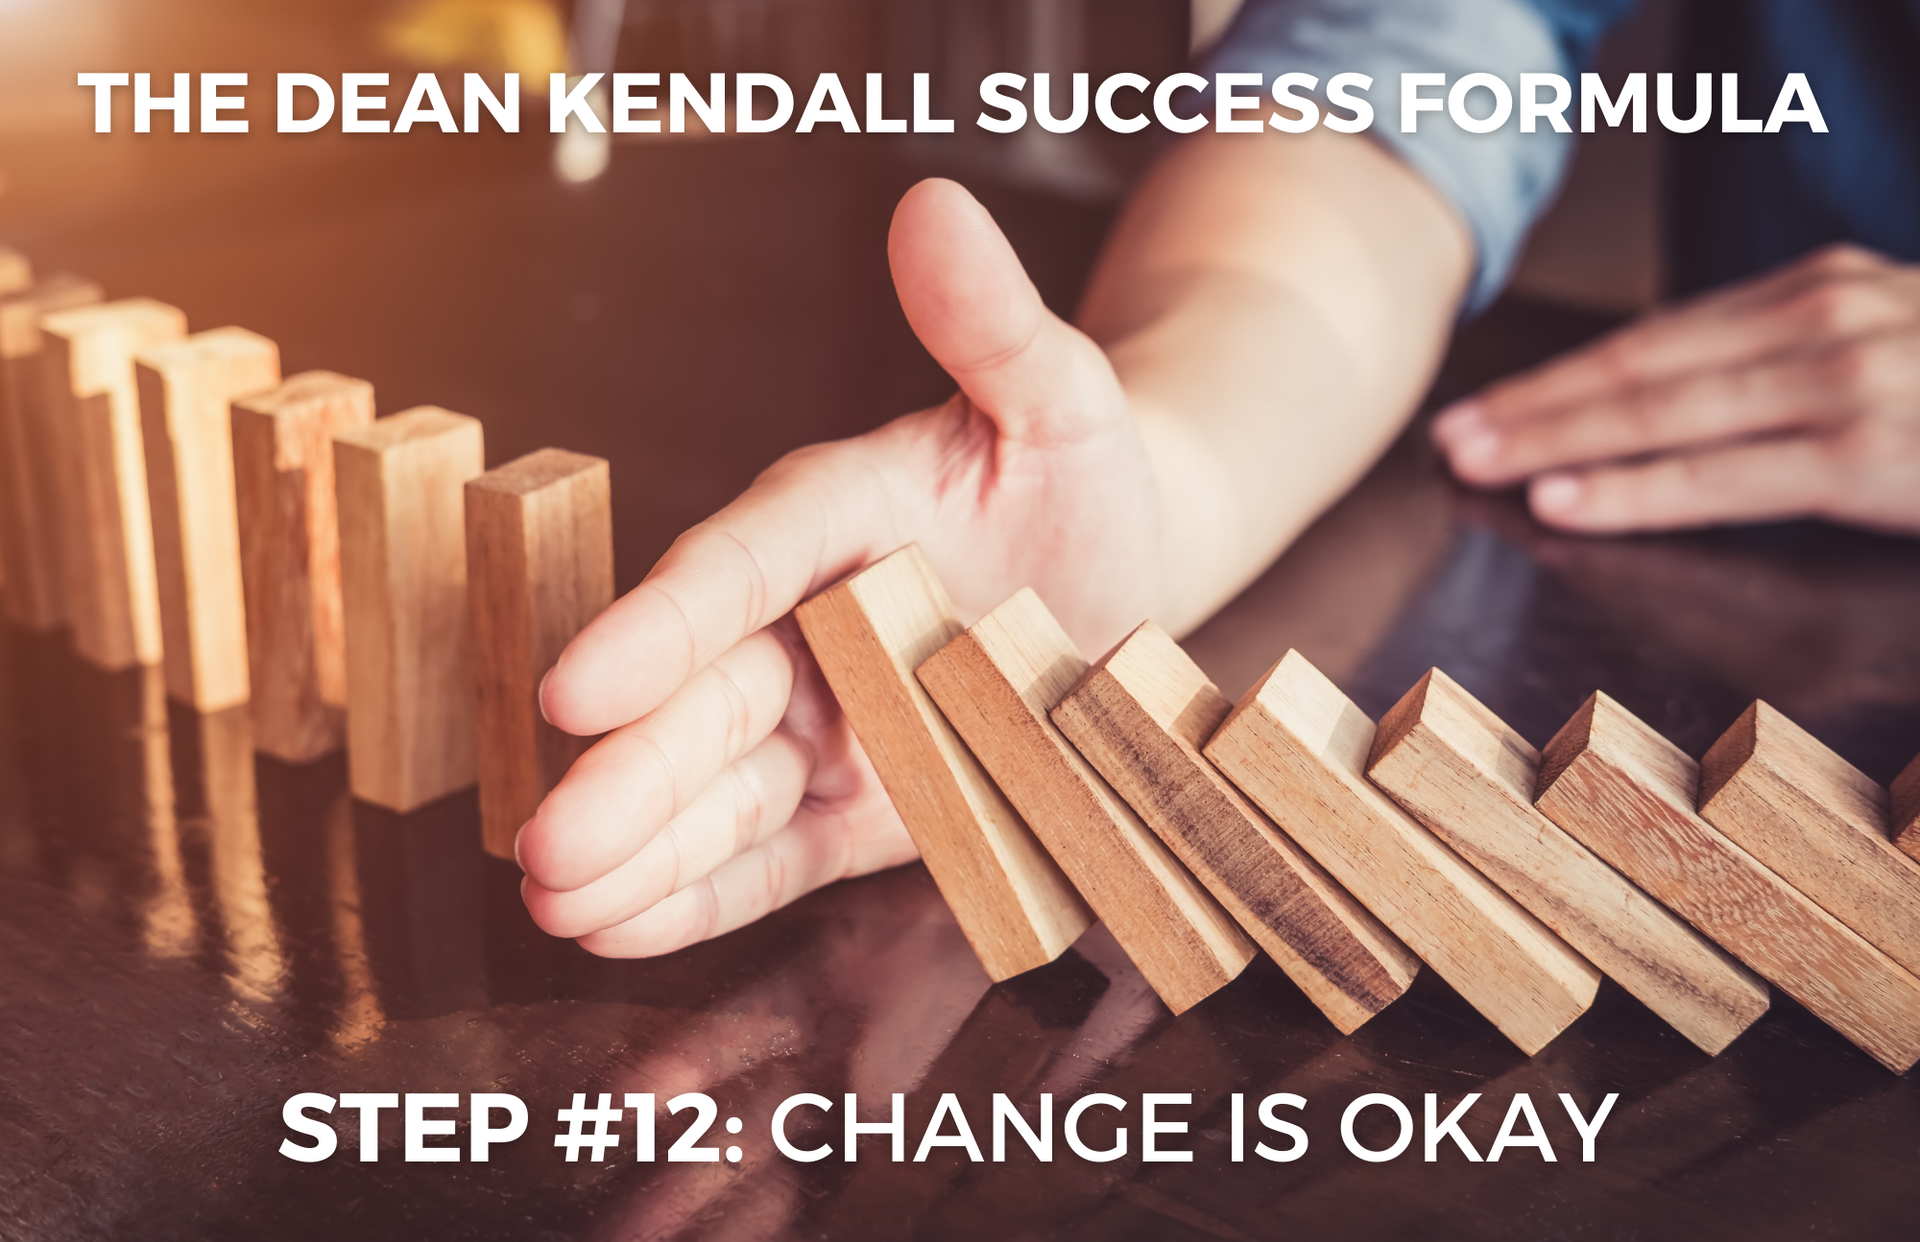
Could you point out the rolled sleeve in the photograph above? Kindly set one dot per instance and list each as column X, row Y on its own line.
column 1499, row 182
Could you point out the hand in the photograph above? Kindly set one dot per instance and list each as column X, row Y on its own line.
column 729, row 782
column 1793, row 395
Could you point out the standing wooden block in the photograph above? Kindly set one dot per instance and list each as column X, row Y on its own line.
column 1628, row 794
column 1140, row 716
column 1463, row 773
column 400, row 486
column 1298, row 747
column 1906, row 809
column 290, row 558
column 539, row 567
column 1818, row 823
column 112, row 597
column 186, row 388
column 996, row 682
column 868, row 633
column 30, row 454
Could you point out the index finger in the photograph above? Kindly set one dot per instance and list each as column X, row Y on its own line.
column 814, row 516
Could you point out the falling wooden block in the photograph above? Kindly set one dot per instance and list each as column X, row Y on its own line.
column 400, row 485
column 996, row 682
column 186, row 388
column 1905, row 797
column 868, row 634
column 1463, row 773
column 1298, row 747
column 1818, row 823
column 1628, row 794
column 539, row 567
column 290, row 558
column 31, row 459
column 1140, row 716
column 112, row 598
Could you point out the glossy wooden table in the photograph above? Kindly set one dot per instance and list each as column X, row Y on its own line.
column 189, row 934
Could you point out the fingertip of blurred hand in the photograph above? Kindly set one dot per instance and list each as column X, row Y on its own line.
column 1556, row 497
column 1468, row 439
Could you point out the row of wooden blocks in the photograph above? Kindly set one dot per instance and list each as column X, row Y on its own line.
column 1045, row 791
column 174, row 501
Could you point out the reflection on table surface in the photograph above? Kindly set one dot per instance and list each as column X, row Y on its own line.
column 190, row 933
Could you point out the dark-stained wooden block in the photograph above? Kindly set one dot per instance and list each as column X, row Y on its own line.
column 1140, row 716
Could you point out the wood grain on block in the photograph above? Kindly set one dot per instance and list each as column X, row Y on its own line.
column 996, row 682
column 1628, row 794
column 539, row 567
column 868, row 633
column 1298, row 747
column 290, row 558
column 32, row 441
column 186, row 389
column 1818, row 823
column 1140, row 716
column 400, row 487
column 1463, row 773
column 113, row 600
column 1906, row 809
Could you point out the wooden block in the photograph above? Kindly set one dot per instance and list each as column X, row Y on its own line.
column 1628, row 794
column 1818, row 823
column 1298, row 747
column 868, row 633
column 112, row 597
column 996, row 682
column 290, row 558
column 1140, row 716
column 186, row 388
column 539, row 567
column 31, row 441
column 1906, row 809
column 400, row 485
column 1463, row 773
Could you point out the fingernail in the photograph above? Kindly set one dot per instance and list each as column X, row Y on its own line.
column 1461, row 419
column 1475, row 452
column 1557, row 493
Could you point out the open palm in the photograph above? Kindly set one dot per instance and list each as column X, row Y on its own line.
column 729, row 783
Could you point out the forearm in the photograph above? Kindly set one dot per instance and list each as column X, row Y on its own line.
column 1274, row 307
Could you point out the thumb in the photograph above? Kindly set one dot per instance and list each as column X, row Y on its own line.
column 971, row 304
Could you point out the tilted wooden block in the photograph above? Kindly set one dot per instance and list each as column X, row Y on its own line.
column 112, row 598
column 996, row 682
column 1628, row 794
column 868, row 633
column 31, row 460
column 539, row 567
column 1466, row 775
column 290, row 558
column 1298, row 747
column 1906, row 809
column 1140, row 716
column 1818, row 823
column 186, row 388
column 400, row 486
